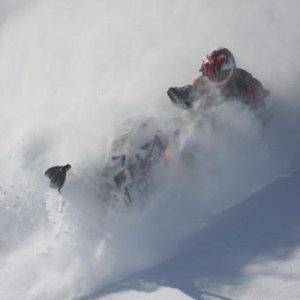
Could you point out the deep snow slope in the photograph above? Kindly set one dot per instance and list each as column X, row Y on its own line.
column 71, row 72
column 250, row 252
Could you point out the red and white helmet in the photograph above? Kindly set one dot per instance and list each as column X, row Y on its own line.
column 219, row 66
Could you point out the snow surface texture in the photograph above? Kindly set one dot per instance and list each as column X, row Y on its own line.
column 70, row 71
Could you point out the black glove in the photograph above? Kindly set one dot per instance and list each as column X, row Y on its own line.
column 179, row 96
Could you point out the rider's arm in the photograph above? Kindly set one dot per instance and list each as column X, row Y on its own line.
column 185, row 96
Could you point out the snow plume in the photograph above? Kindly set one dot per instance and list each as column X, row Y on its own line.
column 70, row 71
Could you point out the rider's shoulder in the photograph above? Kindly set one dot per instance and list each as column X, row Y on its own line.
column 244, row 75
column 244, row 78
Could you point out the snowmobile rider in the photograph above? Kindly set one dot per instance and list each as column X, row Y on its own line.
column 219, row 73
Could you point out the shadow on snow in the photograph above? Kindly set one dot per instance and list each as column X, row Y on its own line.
column 265, row 224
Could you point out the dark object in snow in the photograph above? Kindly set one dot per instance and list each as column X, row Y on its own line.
column 57, row 176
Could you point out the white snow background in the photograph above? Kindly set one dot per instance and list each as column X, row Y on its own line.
column 225, row 229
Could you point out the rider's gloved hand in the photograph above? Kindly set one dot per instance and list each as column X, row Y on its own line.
column 179, row 96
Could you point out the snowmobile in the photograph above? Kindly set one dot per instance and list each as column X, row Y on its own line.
column 131, row 170
column 133, row 159
column 135, row 153
column 130, row 173
column 136, row 150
